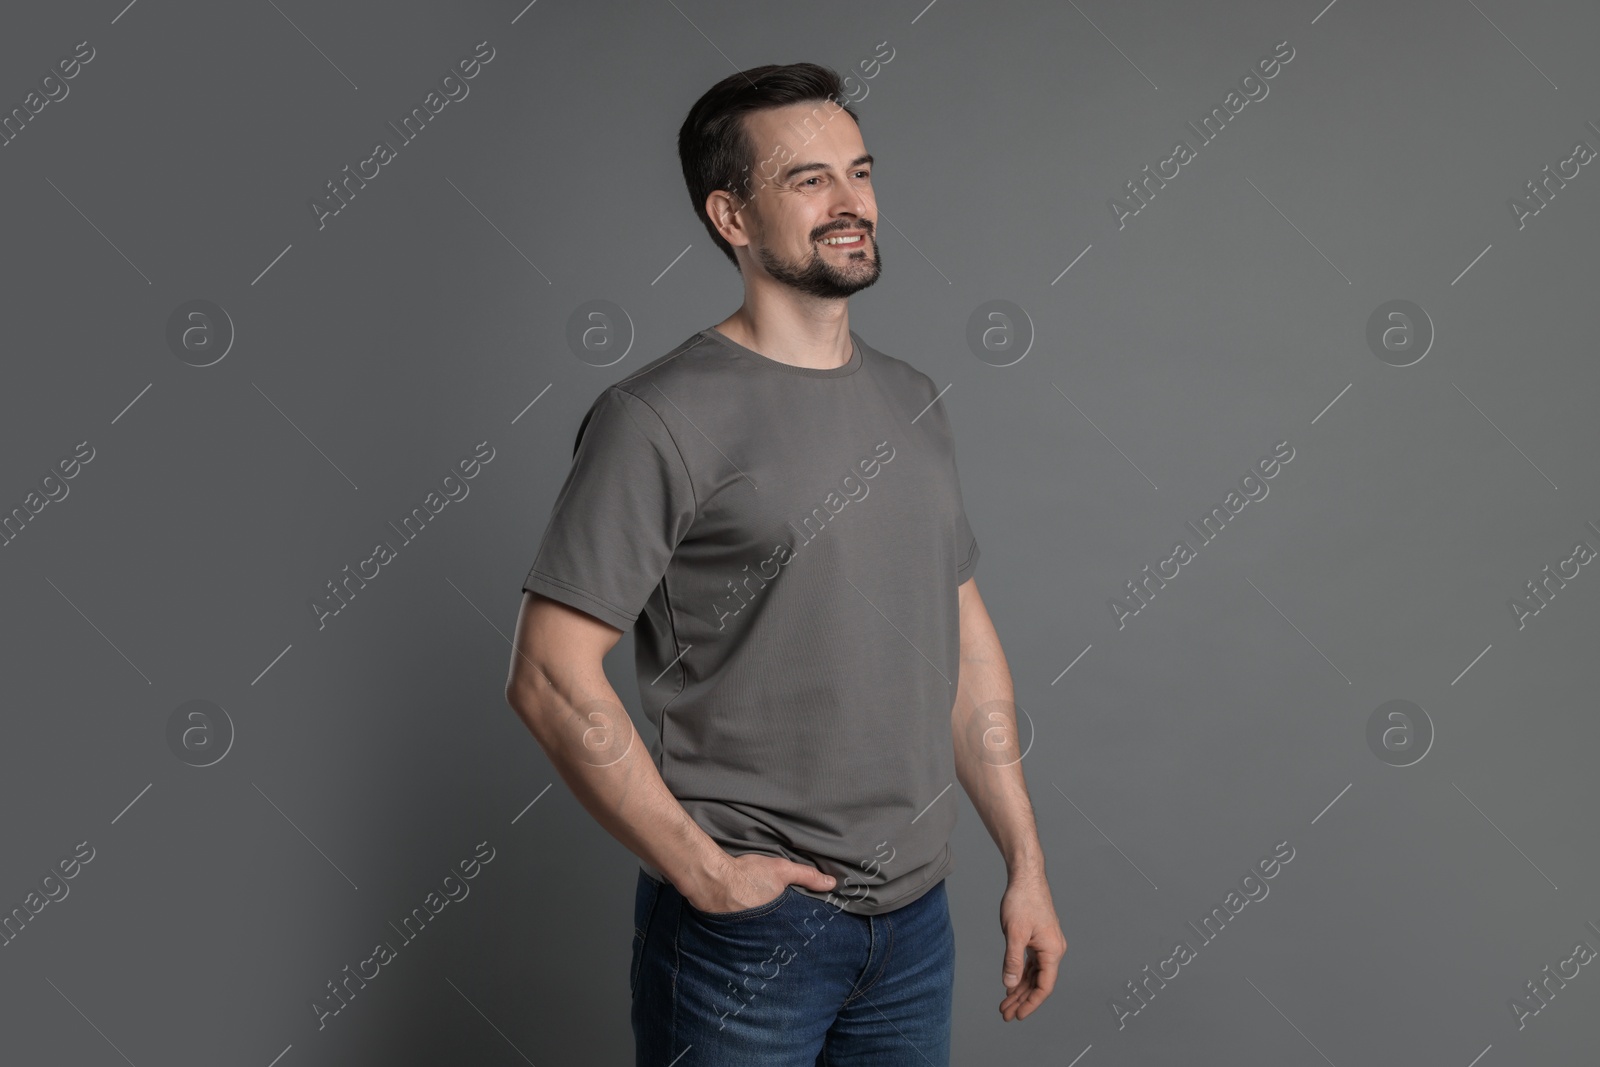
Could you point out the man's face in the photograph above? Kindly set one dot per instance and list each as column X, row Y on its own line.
column 811, row 181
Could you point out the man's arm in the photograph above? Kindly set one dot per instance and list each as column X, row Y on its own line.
column 558, row 687
column 988, row 750
column 988, row 758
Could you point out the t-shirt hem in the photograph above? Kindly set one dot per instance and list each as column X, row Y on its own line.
column 574, row 597
column 941, row 869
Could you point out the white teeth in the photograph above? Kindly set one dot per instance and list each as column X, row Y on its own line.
column 841, row 240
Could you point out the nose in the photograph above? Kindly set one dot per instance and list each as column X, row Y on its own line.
column 853, row 202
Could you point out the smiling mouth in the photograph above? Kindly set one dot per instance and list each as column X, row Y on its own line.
column 851, row 241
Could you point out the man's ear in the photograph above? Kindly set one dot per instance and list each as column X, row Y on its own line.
column 730, row 215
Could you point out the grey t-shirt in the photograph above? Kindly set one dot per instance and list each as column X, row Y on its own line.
column 785, row 542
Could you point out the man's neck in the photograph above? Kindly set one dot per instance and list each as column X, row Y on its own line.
column 792, row 335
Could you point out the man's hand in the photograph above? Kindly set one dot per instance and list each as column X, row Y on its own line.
column 750, row 880
column 1034, row 945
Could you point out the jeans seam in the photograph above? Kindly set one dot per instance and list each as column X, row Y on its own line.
column 655, row 898
column 854, row 993
column 677, row 963
column 888, row 955
column 888, row 952
column 644, row 935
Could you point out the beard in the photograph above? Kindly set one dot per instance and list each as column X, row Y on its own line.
column 816, row 276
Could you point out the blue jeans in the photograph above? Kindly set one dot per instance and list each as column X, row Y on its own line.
column 794, row 982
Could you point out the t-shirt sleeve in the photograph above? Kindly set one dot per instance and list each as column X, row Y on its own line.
column 966, row 549
column 966, row 543
column 625, row 505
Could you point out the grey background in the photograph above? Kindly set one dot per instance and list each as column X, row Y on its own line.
column 370, row 756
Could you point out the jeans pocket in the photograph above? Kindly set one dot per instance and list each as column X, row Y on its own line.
column 747, row 913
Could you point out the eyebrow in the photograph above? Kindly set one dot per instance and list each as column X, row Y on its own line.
column 800, row 168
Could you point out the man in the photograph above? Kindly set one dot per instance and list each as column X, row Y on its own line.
column 773, row 507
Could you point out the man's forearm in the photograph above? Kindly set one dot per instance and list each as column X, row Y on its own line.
column 588, row 736
column 988, row 751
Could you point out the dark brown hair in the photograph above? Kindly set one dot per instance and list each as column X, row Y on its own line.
column 715, row 149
